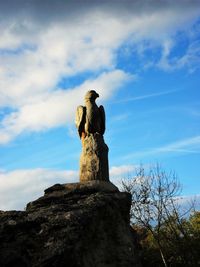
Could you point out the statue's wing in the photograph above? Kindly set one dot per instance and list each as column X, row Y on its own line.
column 103, row 119
column 80, row 119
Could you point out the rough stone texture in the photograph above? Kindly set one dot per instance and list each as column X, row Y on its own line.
column 72, row 225
column 94, row 159
column 90, row 122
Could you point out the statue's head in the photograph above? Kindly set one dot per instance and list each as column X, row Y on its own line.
column 91, row 95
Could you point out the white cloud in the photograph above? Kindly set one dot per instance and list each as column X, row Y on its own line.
column 117, row 173
column 58, row 108
column 38, row 48
column 21, row 186
column 191, row 58
column 61, row 50
column 189, row 145
column 147, row 96
column 186, row 145
column 64, row 48
column 186, row 205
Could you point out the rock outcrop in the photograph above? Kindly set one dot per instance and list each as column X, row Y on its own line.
column 72, row 225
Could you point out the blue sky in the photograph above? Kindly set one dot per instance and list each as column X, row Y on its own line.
column 142, row 58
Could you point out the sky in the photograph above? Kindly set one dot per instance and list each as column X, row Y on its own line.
column 142, row 57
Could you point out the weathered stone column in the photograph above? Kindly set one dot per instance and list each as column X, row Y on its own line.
column 94, row 159
column 90, row 122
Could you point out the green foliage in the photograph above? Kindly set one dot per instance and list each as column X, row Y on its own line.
column 195, row 222
column 180, row 245
column 168, row 236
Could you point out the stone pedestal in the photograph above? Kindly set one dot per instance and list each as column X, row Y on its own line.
column 94, row 159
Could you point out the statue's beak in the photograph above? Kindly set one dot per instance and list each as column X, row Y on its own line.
column 97, row 95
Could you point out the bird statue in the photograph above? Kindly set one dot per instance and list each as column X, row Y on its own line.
column 90, row 122
column 90, row 119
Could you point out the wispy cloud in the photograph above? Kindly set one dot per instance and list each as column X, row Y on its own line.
column 190, row 59
column 119, row 117
column 38, row 48
column 188, row 145
column 119, row 171
column 21, row 186
column 147, row 96
column 187, row 204
column 57, row 108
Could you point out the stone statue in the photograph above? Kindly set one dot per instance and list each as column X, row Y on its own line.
column 90, row 122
